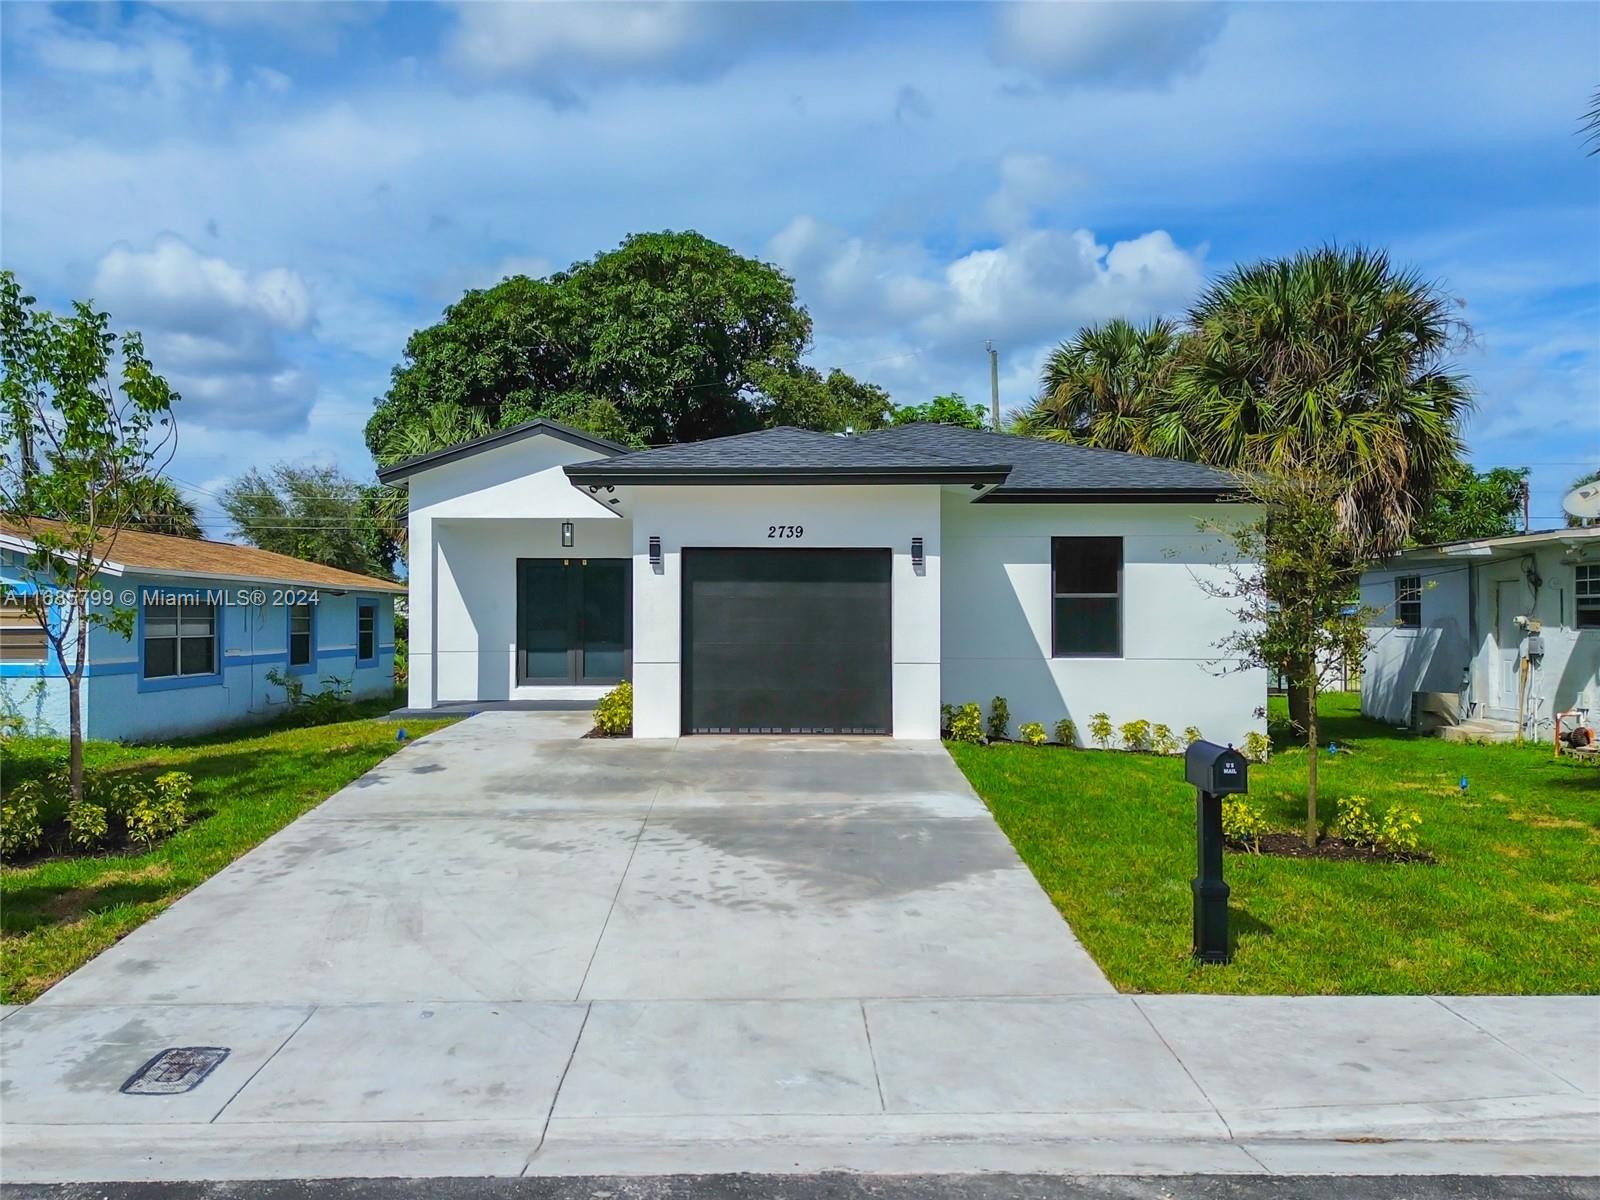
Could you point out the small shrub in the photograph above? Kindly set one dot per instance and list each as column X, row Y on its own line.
column 87, row 824
column 999, row 719
column 1066, row 732
column 1100, row 730
column 613, row 716
column 947, row 713
column 1033, row 734
column 20, row 826
column 1244, row 820
column 325, row 707
column 1162, row 741
column 1397, row 830
column 966, row 725
column 1191, row 735
column 1135, row 735
column 1355, row 821
column 153, row 813
column 1257, row 746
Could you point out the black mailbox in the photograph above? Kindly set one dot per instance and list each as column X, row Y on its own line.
column 1220, row 770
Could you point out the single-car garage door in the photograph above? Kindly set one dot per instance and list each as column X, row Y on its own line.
column 786, row 641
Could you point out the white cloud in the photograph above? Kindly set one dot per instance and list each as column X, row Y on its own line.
column 1130, row 45
column 318, row 26
column 147, row 55
column 214, row 329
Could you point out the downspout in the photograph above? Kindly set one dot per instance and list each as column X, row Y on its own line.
column 1468, row 676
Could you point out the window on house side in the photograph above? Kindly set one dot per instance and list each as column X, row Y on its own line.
column 1086, row 584
column 366, row 632
column 300, row 635
column 179, row 639
column 21, row 638
column 1408, row 601
column 1586, row 609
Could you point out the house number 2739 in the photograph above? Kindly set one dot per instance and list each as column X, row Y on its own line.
column 786, row 531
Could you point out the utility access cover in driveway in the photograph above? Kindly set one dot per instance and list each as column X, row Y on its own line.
column 180, row 1069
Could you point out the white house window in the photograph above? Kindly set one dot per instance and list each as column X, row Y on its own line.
column 1408, row 601
column 21, row 637
column 1587, row 593
column 366, row 632
column 300, row 635
column 1086, row 583
column 179, row 639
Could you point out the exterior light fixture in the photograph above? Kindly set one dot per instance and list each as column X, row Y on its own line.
column 918, row 559
column 655, row 552
column 566, row 533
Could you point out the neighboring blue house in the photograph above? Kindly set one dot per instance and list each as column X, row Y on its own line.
column 212, row 619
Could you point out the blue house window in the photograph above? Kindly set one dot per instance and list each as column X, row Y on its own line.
column 366, row 632
column 301, row 623
column 180, row 640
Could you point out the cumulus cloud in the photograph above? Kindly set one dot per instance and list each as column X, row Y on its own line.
column 214, row 329
column 146, row 55
column 1128, row 45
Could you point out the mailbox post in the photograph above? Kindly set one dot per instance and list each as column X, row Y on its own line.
column 1216, row 771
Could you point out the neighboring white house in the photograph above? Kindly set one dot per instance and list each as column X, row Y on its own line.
column 211, row 619
column 788, row 581
column 1462, row 619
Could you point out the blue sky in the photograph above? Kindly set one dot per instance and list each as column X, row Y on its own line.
column 278, row 194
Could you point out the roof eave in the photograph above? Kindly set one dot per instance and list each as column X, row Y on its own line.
column 1135, row 495
column 602, row 475
column 405, row 468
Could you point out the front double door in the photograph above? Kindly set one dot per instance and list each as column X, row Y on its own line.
column 574, row 620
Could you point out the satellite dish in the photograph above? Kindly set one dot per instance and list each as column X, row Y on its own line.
column 1583, row 502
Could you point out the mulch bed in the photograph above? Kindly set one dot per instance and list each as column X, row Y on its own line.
column 1336, row 849
column 595, row 733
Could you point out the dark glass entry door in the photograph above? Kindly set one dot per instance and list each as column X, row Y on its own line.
column 574, row 620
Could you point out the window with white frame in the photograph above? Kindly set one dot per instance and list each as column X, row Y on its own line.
column 22, row 638
column 179, row 639
column 300, row 621
column 1408, row 601
column 1586, row 610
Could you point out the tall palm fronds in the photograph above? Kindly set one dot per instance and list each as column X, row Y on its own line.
column 157, row 506
column 1336, row 357
column 1589, row 124
column 442, row 426
column 1104, row 387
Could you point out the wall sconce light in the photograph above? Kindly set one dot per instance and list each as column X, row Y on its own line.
column 655, row 553
column 918, row 559
column 566, row 533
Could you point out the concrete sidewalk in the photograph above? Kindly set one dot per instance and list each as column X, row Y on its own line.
column 508, row 952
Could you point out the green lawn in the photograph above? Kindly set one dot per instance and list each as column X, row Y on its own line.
column 57, row 914
column 1512, row 904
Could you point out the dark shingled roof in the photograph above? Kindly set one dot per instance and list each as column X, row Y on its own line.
column 1025, row 469
column 792, row 455
column 500, row 437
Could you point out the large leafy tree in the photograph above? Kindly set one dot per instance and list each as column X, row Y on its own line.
column 1105, row 387
column 84, row 418
column 1470, row 504
column 315, row 513
column 671, row 337
column 951, row 408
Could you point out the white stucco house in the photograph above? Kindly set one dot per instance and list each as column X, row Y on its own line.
column 788, row 581
column 211, row 620
column 1461, row 626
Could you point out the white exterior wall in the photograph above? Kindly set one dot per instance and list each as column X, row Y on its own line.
column 834, row 517
column 1432, row 658
column 470, row 520
column 998, row 606
column 1437, row 656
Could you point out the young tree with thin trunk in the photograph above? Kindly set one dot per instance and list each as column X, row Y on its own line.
column 83, row 419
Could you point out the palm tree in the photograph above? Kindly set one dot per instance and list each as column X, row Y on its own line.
column 440, row 427
column 1334, row 357
column 157, row 506
column 1105, row 386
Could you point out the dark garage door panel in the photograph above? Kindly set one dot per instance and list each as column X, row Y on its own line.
column 786, row 641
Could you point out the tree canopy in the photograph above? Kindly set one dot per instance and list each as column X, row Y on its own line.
column 671, row 337
column 952, row 408
column 1104, row 386
column 157, row 506
column 1470, row 504
column 314, row 513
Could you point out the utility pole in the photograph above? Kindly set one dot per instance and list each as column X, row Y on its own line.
column 994, row 384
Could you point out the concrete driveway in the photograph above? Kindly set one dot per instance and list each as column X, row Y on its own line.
column 509, row 950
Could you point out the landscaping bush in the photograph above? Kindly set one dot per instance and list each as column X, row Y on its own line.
column 999, row 719
column 613, row 716
column 966, row 725
column 40, row 812
column 1100, row 730
column 1066, row 732
column 1257, row 746
column 1354, row 821
column 1191, row 735
column 1393, row 829
column 325, row 707
column 1244, row 820
column 1135, row 735
column 1162, row 741
column 20, row 825
column 152, row 813
column 1397, row 830
column 1033, row 734
column 87, row 824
